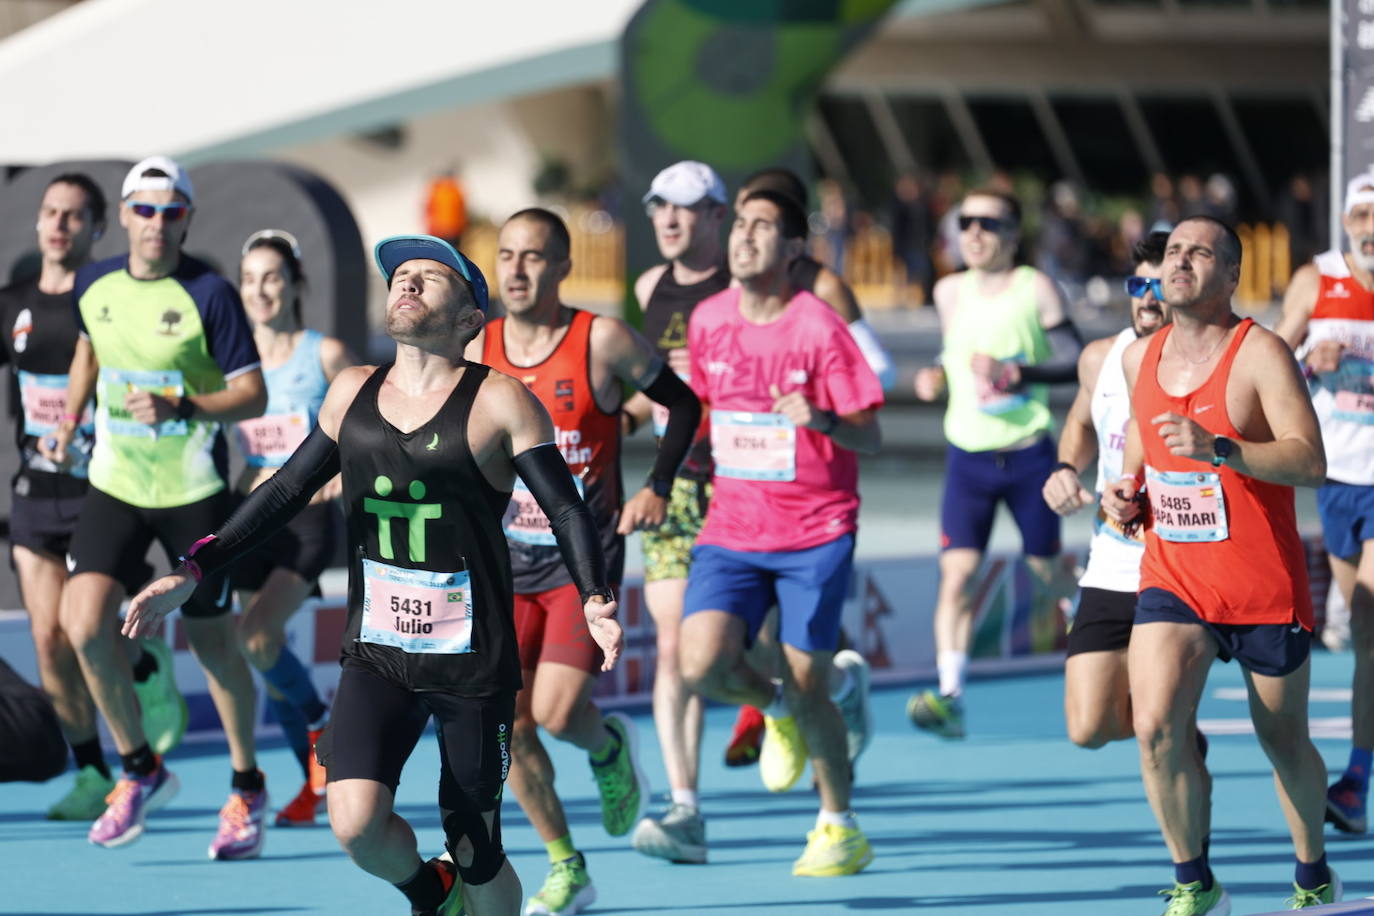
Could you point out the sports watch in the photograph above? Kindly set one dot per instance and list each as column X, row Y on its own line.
column 1221, row 450
column 661, row 488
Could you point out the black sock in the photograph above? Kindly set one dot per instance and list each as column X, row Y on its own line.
column 142, row 762
column 1194, row 870
column 424, row 889
column 90, row 754
column 248, row 781
column 145, row 667
column 1311, row 875
column 1207, row 847
column 1202, row 744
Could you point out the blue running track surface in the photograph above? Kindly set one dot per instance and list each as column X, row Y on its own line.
column 1013, row 821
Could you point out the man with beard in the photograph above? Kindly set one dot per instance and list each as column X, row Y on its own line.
column 578, row 365
column 793, row 404
column 1221, row 432
column 429, row 447
column 1006, row 334
column 1328, row 318
column 1097, row 698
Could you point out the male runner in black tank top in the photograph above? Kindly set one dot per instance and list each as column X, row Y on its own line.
column 429, row 448
column 686, row 206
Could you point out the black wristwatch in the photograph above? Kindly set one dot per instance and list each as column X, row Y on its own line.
column 832, row 423
column 185, row 408
column 661, row 488
column 1221, row 450
column 602, row 592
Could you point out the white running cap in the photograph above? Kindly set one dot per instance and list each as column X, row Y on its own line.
column 1360, row 190
column 686, row 183
column 176, row 180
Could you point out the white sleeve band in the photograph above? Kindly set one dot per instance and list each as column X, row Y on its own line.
column 874, row 354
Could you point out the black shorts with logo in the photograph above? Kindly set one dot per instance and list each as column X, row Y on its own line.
column 113, row 537
column 375, row 724
column 1268, row 649
column 1103, row 622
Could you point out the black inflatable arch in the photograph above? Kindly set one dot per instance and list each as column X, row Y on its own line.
column 233, row 200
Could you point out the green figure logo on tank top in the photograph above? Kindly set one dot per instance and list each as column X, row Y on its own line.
column 414, row 513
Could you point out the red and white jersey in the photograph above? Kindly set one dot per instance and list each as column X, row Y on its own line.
column 1344, row 399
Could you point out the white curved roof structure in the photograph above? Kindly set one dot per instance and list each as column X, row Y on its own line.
column 113, row 78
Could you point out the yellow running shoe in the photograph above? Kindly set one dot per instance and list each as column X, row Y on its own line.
column 832, row 851
column 783, row 755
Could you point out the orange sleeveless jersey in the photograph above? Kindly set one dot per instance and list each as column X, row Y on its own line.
column 1257, row 574
column 588, row 436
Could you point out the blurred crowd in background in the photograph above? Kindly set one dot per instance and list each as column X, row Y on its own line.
column 893, row 251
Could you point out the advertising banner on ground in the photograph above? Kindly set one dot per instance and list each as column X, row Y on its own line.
column 888, row 618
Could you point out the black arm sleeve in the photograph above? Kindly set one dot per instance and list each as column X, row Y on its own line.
column 544, row 471
column 1062, row 366
column 273, row 504
column 684, row 416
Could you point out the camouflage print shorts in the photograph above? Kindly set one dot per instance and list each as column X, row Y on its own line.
column 668, row 550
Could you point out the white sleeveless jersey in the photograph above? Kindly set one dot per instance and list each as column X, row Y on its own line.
column 1113, row 560
column 1344, row 399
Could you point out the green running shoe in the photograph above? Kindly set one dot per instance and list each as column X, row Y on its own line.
column 621, row 784
column 1192, row 900
column 935, row 713
column 162, row 705
column 1328, row 893
column 568, row 889
column 86, row 800
column 783, row 755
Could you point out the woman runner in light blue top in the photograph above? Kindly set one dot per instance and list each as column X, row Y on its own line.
column 298, row 364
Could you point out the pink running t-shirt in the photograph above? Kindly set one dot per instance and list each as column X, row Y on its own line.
column 777, row 487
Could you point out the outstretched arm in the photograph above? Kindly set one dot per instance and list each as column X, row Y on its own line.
column 263, row 513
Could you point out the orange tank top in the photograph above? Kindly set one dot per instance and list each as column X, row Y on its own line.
column 589, row 439
column 1224, row 543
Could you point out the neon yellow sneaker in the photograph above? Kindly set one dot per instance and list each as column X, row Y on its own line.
column 620, row 782
column 783, row 755
column 1328, row 893
column 1192, row 900
column 832, row 851
column 162, row 706
column 568, row 889
column 86, row 800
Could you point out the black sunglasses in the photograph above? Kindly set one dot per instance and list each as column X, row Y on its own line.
column 991, row 224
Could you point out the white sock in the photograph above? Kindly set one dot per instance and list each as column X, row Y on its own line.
column 838, row 818
column 952, row 666
column 778, row 708
column 687, row 798
column 846, row 685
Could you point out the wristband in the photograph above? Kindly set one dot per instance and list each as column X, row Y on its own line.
column 832, row 423
column 71, row 418
column 1064, row 466
column 191, row 565
column 185, row 408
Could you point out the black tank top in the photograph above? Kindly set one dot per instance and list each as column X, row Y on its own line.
column 421, row 517
column 802, row 273
column 666, row 315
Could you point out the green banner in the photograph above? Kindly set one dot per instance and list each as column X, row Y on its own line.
column 727, row 83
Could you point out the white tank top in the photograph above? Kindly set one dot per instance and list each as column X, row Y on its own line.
column 1344, row 399
column 1113, row 561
